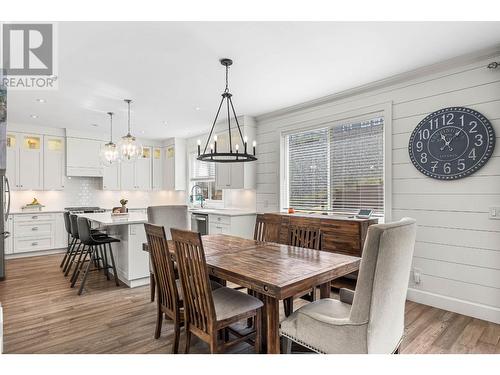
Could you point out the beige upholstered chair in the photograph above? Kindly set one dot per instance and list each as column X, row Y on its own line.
column 371, row 320
column 171, row 216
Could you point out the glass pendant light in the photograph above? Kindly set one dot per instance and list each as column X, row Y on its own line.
column 129, row 148
column 109, row 152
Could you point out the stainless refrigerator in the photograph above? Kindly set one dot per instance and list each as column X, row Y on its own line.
column 4, row 182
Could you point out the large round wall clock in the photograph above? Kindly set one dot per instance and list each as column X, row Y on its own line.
column 451, row 143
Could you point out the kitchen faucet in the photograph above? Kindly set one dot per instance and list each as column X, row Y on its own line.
column 193, row 197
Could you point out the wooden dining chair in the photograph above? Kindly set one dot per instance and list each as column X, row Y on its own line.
column 169, row 300
column 208, row 312
column 302, row 235
column 267, row 228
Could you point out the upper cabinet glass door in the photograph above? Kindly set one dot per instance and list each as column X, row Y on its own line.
column 31, row 143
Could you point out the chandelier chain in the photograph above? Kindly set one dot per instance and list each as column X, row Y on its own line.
column 227, row 79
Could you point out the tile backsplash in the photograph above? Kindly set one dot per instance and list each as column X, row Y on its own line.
column 87, row 191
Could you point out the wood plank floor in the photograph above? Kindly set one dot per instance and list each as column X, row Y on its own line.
column 43, row 315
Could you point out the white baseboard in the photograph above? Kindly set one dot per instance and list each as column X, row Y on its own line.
column 34, row 253
column 475, row 310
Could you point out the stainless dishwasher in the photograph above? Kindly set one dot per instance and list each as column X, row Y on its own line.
column 199, row 223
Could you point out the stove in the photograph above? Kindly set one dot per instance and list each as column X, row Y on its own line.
column 84, row 210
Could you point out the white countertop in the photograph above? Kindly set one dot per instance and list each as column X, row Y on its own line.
column 105, row 218
column 222, row 211
column 20, row 212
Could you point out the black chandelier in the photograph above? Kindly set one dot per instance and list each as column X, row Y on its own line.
column 228, row 156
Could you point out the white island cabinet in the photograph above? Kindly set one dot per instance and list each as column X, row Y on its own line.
column 132, row 263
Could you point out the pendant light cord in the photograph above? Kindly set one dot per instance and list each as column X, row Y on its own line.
column 111, row 126
column 129, row 117
column 128, row 101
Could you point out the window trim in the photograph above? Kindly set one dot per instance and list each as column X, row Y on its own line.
column 382, row 109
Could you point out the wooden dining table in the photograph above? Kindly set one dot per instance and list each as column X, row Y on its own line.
column 274, row 271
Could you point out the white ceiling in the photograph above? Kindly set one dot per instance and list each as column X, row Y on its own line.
column 170, row 69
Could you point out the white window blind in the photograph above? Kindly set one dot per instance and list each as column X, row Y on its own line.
column 201, row 171
column 308, row 170
column 338, row 168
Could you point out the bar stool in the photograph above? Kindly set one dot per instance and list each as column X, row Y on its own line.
column 71, row 243
column 77, row 249
column 94, row 251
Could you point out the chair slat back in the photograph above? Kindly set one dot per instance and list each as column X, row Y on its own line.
column 198, row 301
column 304, row 236
column 267, row 228
column 163, row 267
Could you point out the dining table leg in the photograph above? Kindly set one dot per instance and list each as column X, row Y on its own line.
column 272, row 324
column 324, row 290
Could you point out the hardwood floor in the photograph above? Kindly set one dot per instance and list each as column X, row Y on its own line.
column 43, row 315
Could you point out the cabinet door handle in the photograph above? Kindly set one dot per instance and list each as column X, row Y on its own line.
column 34, row 228
column 34, row 243
column 34, row 217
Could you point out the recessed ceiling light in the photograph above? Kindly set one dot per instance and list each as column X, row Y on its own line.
column 197, row 108
column 165, row 123
column 94, row 125
column 34, row 116
column 40, row 100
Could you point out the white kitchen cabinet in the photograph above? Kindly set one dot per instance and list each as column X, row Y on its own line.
column 25, row 161
column 143, row 170
column 175, row 165
column 83, row 157
column 127, row 173
column 53, row 163
column 236, row 225
column 219, row 229
column 37, row 232
column 8, row 241
column 111, row 177
column 60, row 234
column 137, row 175
column 232, row 176
column 12, row 170
column 157, row 159
column 223, row 175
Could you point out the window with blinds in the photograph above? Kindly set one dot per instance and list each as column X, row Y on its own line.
column 203, row 175
column 338, row 168
column 201, row 171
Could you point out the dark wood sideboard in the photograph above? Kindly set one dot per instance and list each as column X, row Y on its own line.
column 339, row 234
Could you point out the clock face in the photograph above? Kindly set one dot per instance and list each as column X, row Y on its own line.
column 451, row 143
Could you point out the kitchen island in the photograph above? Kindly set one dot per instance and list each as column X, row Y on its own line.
column 132, row 264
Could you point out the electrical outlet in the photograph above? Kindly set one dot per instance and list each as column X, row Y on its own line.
column 495, row 213
column 417, row 274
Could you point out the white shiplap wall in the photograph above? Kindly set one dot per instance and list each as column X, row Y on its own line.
column 458, row 247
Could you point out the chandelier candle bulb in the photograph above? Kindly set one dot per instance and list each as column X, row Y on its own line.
column 215, row 143
column 254, row 145
column 199, row 146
